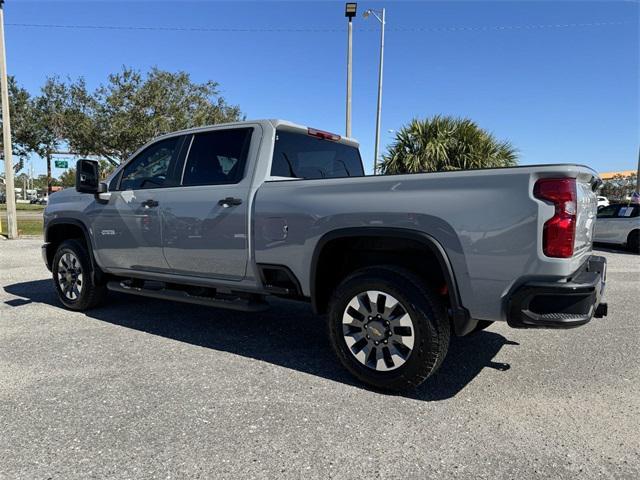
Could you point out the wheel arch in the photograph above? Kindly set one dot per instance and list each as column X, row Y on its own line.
column 320, row 293
column 633, row 236
column 58, row 230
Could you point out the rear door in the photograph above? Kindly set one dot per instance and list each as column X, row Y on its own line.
column 606, row 224
column 615, row 222
column 205, row 219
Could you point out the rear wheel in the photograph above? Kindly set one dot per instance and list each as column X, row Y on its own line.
column 633, row 241
column 387, row 328
column 72, row 276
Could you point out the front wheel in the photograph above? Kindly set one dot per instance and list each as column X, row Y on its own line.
column 388, row 328
column 72, row 276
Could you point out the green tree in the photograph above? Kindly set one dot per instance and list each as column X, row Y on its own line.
column 619, row 187
column 131, row 108
column 50, row 110
column 445, row 143
column 40, row 182
column 24, row 133
column 105, row 168
column 68, row 178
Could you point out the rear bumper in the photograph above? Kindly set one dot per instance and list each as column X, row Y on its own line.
column 569, row 303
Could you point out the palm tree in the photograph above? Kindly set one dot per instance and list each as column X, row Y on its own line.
column 446, row 143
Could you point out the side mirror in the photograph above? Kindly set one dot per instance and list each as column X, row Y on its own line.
column 87, row 176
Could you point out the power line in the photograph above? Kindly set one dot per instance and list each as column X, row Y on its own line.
column 319, row 29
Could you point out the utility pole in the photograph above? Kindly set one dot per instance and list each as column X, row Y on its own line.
column 12, row 221
column 349, row 12
column 380, row 15
column 4, row 183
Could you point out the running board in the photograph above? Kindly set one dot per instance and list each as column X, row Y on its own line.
column 237, row 303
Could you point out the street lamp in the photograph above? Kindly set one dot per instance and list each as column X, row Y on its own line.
column 349, row 12
column 379, row 14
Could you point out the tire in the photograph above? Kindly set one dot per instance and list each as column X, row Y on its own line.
column 427, row 337
column 482, row 325
column 633, row 241
column 73, row 279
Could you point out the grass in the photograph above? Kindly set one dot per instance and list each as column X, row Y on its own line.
column 22, row 206
column 25, row 227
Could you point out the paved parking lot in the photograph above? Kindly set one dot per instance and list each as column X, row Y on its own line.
column 149, row 389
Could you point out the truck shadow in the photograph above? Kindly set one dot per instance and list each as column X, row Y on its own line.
column 288, row 335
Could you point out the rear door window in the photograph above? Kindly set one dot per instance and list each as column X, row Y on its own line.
column 629, row 211
column 217, row 157
column 302, row 156
column 609, row 211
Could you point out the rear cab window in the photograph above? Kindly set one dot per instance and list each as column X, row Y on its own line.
column 299, row 155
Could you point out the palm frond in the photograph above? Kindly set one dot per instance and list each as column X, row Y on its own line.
column 444, row 143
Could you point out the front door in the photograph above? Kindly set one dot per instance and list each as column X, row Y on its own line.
column 205, row 220
column 127, row 226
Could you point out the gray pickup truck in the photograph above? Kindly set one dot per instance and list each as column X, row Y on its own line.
column 230, row 214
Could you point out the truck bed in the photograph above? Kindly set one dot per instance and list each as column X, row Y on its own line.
column 487, row 221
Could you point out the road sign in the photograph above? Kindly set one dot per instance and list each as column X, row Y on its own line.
column 61, row 164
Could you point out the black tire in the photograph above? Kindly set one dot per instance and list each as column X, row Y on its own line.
column 633, row 241
column 431, row 327
column 482, row 325
column 89, row 294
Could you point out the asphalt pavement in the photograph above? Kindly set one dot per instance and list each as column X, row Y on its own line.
column 142, row 388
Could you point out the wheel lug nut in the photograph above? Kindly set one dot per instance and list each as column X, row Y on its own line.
column 368, row 337
column 386, row 341
column 376, row 342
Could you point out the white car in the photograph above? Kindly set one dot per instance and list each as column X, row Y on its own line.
column 603, row 201
column 619, row 224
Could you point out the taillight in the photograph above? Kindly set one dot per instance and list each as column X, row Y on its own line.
column 322, row 134
column 559, row 232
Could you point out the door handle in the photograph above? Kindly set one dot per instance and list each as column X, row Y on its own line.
column 150, row 203
column 230, row 201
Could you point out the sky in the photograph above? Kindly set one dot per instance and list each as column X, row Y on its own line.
column 559, row 80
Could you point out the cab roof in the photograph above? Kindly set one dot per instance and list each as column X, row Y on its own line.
column 276, row 123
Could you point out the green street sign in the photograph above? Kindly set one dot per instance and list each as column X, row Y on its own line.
column 61, row 164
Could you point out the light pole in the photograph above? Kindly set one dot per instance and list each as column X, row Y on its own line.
column 380, row 15
column 638, row 175
column 12, row 223
column 349, row 12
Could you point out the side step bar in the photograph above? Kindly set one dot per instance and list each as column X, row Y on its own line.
column 231, row 303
